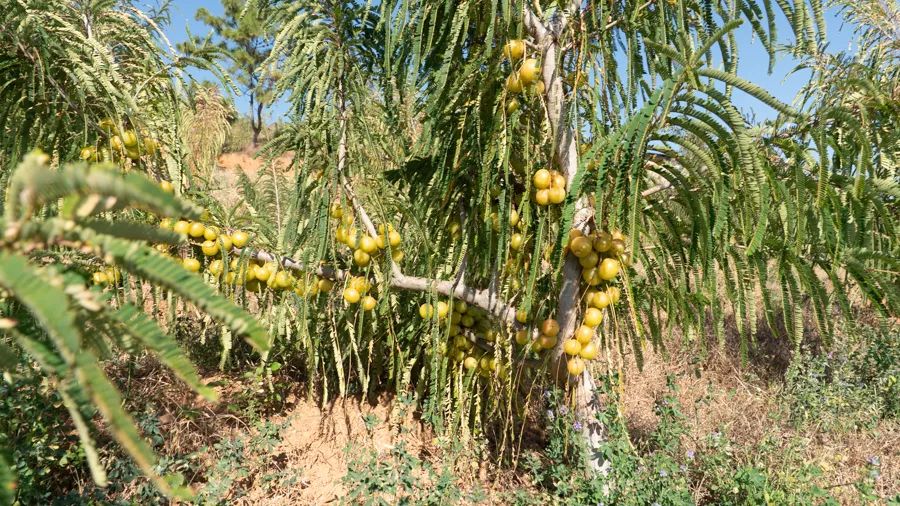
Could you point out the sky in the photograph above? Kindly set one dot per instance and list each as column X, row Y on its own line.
column 753, row 60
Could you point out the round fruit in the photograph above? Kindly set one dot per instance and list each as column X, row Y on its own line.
column 515, row 242
column 394, row 238
column 580, row 246
column 470, row 363
column 167, row 186
column 548, row 342
column 351, row 295
column 625, row 259
column 530, row 71
column 369, row 303
column 211, row 233
column 150, row 146
column 335, row 211
column 443, row 309
column 467, row 320
column 129, row 139
column 352, row 238
column 572, row 347
column 426, row 311
column 460, row 306
column 116, row 143
column 589, row 260
column 514, row 49
column 368, row 245
column 584, row 334
column 542, row 197
column 609, row 269
column 614, row 294
column 87, row 153
column 215, row 267
column 210, row 248
column 513, row 217
column 181, row 227
column 593, row 317
column 536, row 346
column 166, row 224
column 512, row 106
column 260, row 272
column 589, row 351
column 617, row 235
column 397, row 255
column 192, row 264
column 513, row 83
column 360, row 283
column 226, row 242
column 558, row 181
column 600, row 300
column 550, row 327
column 575, row 366
column 556, row 195
column 539, row 88
column 100, row 278
column 240, row 238
column 542, row 179
column 283, row 280
column 521, row 316
column 325, row 285
column 602, row 243
column 347, row 219
column 107, row 125
column 197, row 229
column 522, row 337
column 361, row 258
column 133, row 154
column 618, row 246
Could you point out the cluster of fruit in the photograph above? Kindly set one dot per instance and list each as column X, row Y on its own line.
column 119, row 143
column 549, row 187
column 525, row 77
column 467, row 325
column 365, row 246
column 357, row 291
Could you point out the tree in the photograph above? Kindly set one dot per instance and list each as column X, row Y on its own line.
column 246, row 39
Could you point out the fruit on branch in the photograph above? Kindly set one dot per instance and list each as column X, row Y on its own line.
column 530, row 71
column 239, row 238
column 351, row 295
column 181, row 227
column 575, row 366
column 514, row 83
column 542, row 179
column 196, row 229
column 210, row 248
column 514, row 49
column 369, row 303
column 167, row 186
column 191, row 264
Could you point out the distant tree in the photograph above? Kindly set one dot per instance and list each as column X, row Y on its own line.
column 246, row 39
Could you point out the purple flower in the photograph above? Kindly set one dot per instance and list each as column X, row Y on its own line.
column 547, row 394
column 550, row 415
column 577, row 426
column 689, row 454
column 663, row 473
column 873, row 461
column 563, row 410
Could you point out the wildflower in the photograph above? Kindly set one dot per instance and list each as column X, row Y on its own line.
column 563, row 410
column 577, row 425
column 683, row 468
column 550, row 415
column 663, row 473
column 873, row 461
column 689, row 454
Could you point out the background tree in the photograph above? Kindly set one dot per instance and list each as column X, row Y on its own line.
column 245, row 37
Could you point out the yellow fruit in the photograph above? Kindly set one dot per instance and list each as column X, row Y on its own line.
column 352, row 237
column 197, row 229
column 107, row 125
column 589, row 260
column 470, row 363
column 215, row 267
column 210, row 248
column 361, row 258
column 129, row 139
column 521, row 316
column 467, row 320
column 558, row 180
column 181, row 227
column 600, row 300
column 151, row 146
column 618, row 246
column 460, row 306
column 589, row 351
column 536, row 346
column 396, row 255
column 617, row 235
column 548, row 342
column 226, row 242
column 166, row 224
column 602, row 242
column 580, row 246
column 394, row 238
column 426, row 311
column 514, row 49
column 351, row 295
column 572, row 347
column 443, row 309
column 542, row 179
column 584, row 334
column 240, row 238
column 347, row 219
column 100, row 278
column 516, row 241
column 575, row 366
column 542, row 197
column 574, row 233
column 512, row 106
column 335, row 211
column 593, row 317
column 369, row 303
column 530, row 71
column 116, row 143
column 538, row 88
column 550, row 327
column 211, row 233
column 167, row 186
column 283, row 280
column 625, row 259
column 192, row 264
column 360, row 284
column 325, row 285
column 513, row 83
column 522, row 337
column 556, row 195
column 614, row 294
column 609, row 269
column 88, row 153
column 513, row 217
column 260, row 272
column 368, row 245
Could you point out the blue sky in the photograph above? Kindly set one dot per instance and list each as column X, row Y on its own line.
column 753, row 63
